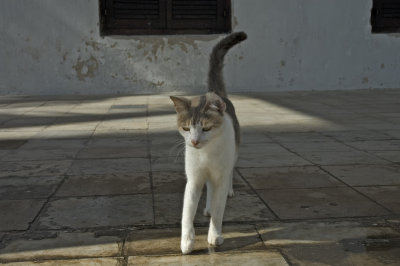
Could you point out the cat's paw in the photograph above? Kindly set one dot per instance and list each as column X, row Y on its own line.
column 206, row 212
column 231, row 193
column 187, row 243
column 215, row 240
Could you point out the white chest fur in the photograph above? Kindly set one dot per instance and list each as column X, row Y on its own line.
column 216, row 157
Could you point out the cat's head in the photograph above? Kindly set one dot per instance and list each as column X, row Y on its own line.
column 199, row 119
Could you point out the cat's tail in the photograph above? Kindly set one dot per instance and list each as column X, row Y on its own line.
column 215, row 75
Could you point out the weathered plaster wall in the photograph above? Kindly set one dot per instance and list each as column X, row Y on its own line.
column 54, row 47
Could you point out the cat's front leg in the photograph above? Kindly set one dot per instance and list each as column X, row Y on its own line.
column 219, row 197
column 190, row 202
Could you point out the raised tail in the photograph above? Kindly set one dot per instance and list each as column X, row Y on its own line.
column 215, row 75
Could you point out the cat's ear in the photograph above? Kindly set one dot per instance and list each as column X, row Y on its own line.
column 216, row 103
column 181, row 104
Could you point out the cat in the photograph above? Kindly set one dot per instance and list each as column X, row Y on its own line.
column 210, row 129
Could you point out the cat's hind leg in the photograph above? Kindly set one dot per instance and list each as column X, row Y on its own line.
column 231, row 193
column 207, row 209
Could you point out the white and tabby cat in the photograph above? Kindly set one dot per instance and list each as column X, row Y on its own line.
column 210, row 128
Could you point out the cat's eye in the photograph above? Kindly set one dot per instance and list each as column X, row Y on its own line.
column 186, row 128
column 205, row 129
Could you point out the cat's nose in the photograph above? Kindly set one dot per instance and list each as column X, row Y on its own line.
column 195, row 142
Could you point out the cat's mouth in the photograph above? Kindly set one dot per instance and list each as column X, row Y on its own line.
column 197, row 146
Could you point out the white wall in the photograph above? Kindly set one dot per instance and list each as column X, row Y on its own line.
column 54, row 47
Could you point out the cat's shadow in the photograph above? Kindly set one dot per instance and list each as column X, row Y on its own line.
column 247, row 242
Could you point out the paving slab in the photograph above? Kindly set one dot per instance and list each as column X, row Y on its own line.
column 124, row 123
column 164, row 130
column 320, row 203
column 28, row 187
column 64, row 134
column 3, row 153
column 11, row 144
column 128, row 109
column 261, row 160
column 111, row 184
column 239, row 259
column 366, row 175
column 114, row 148
column 72, row 262
column 109, row 166
column 376, row 145
column 378, row 125
column 16, row 135
column 167, row 149
column 301, row 147
column 33, row 129
column 341, row 157
column 281, row 234
column 18, row 214
column 246, row 206
column 303, row 126
column 162, row 116
column 250, row 136
column 262, row 148
column 393, row 133
column 168, row 137
column 73, row 125
column 119, row 133
column 167, row 124
column 358, row 135
column 288, row 177
column 91, row 212
column 34, row 168
column 169, row 181
column 394, row 223
column 333, row 243
column 167, row 163
column 347, row 253
column 285, row 137
column 50, row 144
column 41, row 155
column 388, row 196
column 392, row 156
column 61, row 245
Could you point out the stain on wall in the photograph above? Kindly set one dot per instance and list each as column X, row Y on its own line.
column 86, row 68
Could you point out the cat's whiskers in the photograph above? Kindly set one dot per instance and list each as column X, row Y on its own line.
column 179, row 146
column 181, row 151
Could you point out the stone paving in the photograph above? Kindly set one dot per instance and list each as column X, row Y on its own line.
column 99, row 180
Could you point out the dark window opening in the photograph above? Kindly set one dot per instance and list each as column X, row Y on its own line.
column 385, row 16
column 141, row 17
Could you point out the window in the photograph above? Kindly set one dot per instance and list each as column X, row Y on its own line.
column 385, row 16
column 128, row 17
